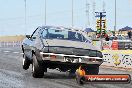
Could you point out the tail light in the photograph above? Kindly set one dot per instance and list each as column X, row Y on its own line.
column 92, row 59
column 53, row 56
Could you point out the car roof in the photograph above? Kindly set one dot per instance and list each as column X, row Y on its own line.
column 54, row 27
column 62, row 28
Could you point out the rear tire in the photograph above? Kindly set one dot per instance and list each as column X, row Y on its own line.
column 26, row 62
column 37, row 68
column 92, row 70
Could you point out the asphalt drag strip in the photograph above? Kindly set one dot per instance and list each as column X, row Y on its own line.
column 13, row 76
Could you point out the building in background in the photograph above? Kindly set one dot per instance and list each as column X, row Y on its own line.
column 124, row 31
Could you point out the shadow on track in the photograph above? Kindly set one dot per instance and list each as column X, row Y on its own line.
column 50, row 75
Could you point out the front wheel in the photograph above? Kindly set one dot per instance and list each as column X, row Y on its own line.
column 37, row 69
column 26, row 62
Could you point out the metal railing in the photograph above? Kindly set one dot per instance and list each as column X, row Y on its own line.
column 11, row 44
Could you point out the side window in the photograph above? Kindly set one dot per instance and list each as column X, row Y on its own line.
column 84, row 39
column 44, row 34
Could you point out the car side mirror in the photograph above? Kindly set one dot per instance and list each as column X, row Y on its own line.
column 28, row 36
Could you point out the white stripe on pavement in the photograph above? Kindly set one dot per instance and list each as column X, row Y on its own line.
column 21, row 53
column 15, row 52
column 6, row 51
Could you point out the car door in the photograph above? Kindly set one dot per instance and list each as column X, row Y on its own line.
column 30, row 44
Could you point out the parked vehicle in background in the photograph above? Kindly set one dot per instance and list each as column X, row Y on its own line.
column 59, row 48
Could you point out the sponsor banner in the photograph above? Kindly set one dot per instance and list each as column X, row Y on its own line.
column 83, row 76
column 117, row 58
column 108, row 78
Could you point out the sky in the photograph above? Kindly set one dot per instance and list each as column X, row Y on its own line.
column 59, row 13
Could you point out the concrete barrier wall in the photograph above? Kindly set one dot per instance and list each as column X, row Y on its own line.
column 118, row 58
column 113, row 45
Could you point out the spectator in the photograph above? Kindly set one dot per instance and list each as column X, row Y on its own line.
column 107, row 38
column 115, row 38
column 129, row 34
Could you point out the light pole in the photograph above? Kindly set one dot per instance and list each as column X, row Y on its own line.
column 87, row 14
column 115, row 19
column 25, row 16
column 45, row 11
column 72, row 15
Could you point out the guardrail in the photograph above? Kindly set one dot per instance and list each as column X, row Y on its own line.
column 113, row 45
column 11, row 44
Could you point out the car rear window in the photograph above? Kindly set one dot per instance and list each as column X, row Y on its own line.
column 57, row 33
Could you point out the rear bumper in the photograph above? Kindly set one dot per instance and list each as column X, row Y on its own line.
column 71, row 58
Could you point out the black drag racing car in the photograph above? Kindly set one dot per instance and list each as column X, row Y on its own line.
column 59, row 48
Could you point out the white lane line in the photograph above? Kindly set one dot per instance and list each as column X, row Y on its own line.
column 6, row 51
column 15, row 52
column 21, row 53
